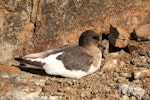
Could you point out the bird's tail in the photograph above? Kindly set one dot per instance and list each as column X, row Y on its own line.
column 24, row 63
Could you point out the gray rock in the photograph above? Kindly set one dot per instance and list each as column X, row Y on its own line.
column 19, row 95
column 39, row 82
column 131, row 91
column 4, row 75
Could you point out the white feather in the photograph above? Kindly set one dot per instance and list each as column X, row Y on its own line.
column 56, row 67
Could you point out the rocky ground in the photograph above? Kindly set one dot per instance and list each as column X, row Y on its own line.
column 124, row 75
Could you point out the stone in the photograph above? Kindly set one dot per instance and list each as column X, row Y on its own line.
column 118, row 37
column 39, row 82
column 128, row 90
column 148, row 54
column 19, row 95
column 142, row 32
column 124, row 97
column 54, row 97
column 4, row 75
column 141, row 74
column 110, row 64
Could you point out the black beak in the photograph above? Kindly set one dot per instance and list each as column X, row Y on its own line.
column 101, row 46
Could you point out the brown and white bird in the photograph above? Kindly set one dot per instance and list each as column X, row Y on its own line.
column 69, row 61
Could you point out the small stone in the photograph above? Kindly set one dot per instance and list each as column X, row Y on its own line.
column 44, row 98
column 19, row 95
column 127, row 90
column 118, row 37
column 54, row 97
column 40, row 82
column 69, row 82
column 142, row 62
column 4, row 75
column 124, row 97
column 123, row 74
column 133, row 98
column 142, row 74
column 143, row 32
column 148, row 54
column 46, row 89
column 112, row 63
column 82, row 95
column 123, row 89
column 47, row 83
column 138, row 92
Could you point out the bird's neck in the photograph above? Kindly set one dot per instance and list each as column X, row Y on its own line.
column 92, row 49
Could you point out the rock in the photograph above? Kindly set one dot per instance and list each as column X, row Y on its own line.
column 142, row 32
column 141, row 74
column 133, row 98
column 39, row 82
column 124, row 97
column 140, row 61
column 4, row 75
column 110, row 64
column 55, row 97
column 19, row 95
column 131, row 91
column 118, row 37
column 148, row 54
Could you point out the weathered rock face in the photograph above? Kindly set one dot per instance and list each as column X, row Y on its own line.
column 34, row 25
column 142, row 32
column 118, row 37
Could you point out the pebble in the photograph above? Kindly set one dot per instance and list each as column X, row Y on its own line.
column 141, row 74
column 109, row 64
column 19, row 95
column 143, row 32
column 148, row 54
column 4, row 75
column 123, row 74
column 127, row 90
column 124, row 97
column 54, row 98
column 39, row 82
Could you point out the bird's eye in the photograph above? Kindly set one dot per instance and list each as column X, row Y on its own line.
column 96, row 38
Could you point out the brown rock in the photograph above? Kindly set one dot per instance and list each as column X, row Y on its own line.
column 110, row 64
column 28, row 26
column 142, row 74
column 118, row 37
column 143, row 32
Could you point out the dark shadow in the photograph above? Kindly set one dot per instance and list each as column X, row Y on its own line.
column 34, row 71
column 104, row 36
column 126, row 49
column 131, row 78
column 116, row 49
column 37, row 72
column 113, row 49
column 133, row 35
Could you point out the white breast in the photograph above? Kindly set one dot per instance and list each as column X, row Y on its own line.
column 56, row 67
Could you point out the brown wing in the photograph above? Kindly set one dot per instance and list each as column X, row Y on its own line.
column 76, row 58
